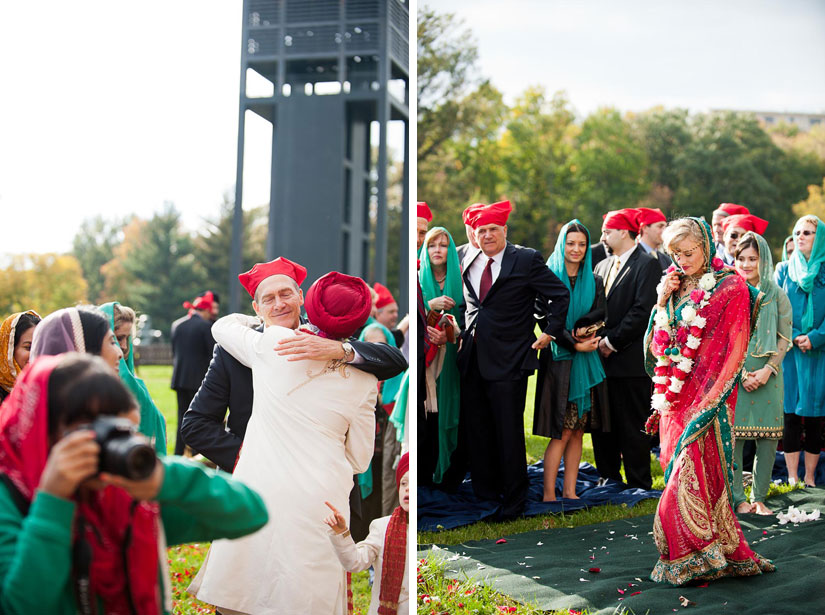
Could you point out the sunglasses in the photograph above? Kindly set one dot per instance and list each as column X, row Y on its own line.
column 806, row 232
column 734, row 235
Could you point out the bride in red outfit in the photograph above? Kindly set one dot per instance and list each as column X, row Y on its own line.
column 695, row 348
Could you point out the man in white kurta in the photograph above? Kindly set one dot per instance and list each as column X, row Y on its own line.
column 312, row 428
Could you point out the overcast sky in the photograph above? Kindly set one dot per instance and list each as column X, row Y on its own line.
column 115, row 107
column 635, row 54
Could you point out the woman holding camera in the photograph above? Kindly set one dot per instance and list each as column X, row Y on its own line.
column 15, row 344
column 570, row 388
column 76, row 539
column 87, row 329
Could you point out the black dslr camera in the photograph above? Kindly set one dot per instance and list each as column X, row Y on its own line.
column 122, row 451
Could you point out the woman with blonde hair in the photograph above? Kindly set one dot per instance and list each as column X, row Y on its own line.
column 695, row 347
column 802, row 277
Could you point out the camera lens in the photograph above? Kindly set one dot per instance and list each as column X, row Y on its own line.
column 130, row 457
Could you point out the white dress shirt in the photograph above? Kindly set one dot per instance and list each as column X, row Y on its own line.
column 622, row 262
column 477, row 269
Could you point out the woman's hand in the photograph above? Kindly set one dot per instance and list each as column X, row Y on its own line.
column 441, row 303
column 588, row 345
column 670, row 284
column 761, row 376
column 146, row 489
column 336, row 520
column 749, row 384
column 803, row 342
column 72, row 460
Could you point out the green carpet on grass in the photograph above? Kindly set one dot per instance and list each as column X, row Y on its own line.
column 550, row 568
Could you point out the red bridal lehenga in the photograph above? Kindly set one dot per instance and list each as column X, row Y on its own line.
column 695, row 529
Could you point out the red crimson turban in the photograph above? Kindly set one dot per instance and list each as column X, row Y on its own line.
column 402, row 469
column 338, row 304
column 280, row 266
column 732, row 209
column 384, row 295
column 424, row 211
column 204, row 302
column 748, row 222
column 468, row 213
column 650, row 216
column 494, row 213
column 621, row 220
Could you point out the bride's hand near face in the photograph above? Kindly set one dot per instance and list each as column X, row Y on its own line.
column 670, row 284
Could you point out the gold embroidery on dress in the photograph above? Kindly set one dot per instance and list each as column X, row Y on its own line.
column 725, row 525
column 659, row 536
column 691, row 507
column 330, row 367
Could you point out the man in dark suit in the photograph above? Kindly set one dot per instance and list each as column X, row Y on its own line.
column 192, row 346
column 498, row 352
column 652, row 223
column 228, row 383
column 630, row 276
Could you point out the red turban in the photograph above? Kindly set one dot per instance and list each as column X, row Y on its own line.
column 732, row 209
column 468, row 213
column 280, row 266
column 424, row 211
column 495, row 213
column 338, row 304
column 621, row 220
column 749, row 222
column 402, row 469
column 204, row 302
column 650, row 216
column 384, row 295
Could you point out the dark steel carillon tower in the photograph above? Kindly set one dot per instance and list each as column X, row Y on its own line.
column 338, row 71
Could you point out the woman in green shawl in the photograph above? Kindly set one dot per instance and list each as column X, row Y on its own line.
column 152, row 423
column 570, row 388
column 802, row 278
column 443, row 291
column 759, row 404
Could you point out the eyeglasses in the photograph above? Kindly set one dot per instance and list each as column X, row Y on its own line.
column 734, row 235
column 806, row 232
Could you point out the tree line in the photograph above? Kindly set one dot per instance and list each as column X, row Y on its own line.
column 553, row 166
column 153, row 265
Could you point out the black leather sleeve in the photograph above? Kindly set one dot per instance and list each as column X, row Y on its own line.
column 202, row 427
column 381, row 360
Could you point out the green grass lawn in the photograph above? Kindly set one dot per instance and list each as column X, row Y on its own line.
column 185, row 560
column 441, row 595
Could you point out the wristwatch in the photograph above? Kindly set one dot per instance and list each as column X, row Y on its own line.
column 349, row 352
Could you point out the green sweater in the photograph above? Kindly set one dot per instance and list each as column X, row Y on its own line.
column 196, row 504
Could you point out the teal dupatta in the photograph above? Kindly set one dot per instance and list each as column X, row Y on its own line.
column 586, row 370
column 152, row 422
column 448, row 385
column 804, row 271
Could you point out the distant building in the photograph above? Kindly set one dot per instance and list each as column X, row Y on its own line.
column 803, row 121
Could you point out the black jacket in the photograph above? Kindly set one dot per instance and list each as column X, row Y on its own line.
column 192, row 345
column 629, row 301
column 501, row 328
column 228, row 384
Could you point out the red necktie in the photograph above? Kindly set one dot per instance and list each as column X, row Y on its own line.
column 486, row 281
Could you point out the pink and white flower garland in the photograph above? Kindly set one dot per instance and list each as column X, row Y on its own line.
column 674, row 345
